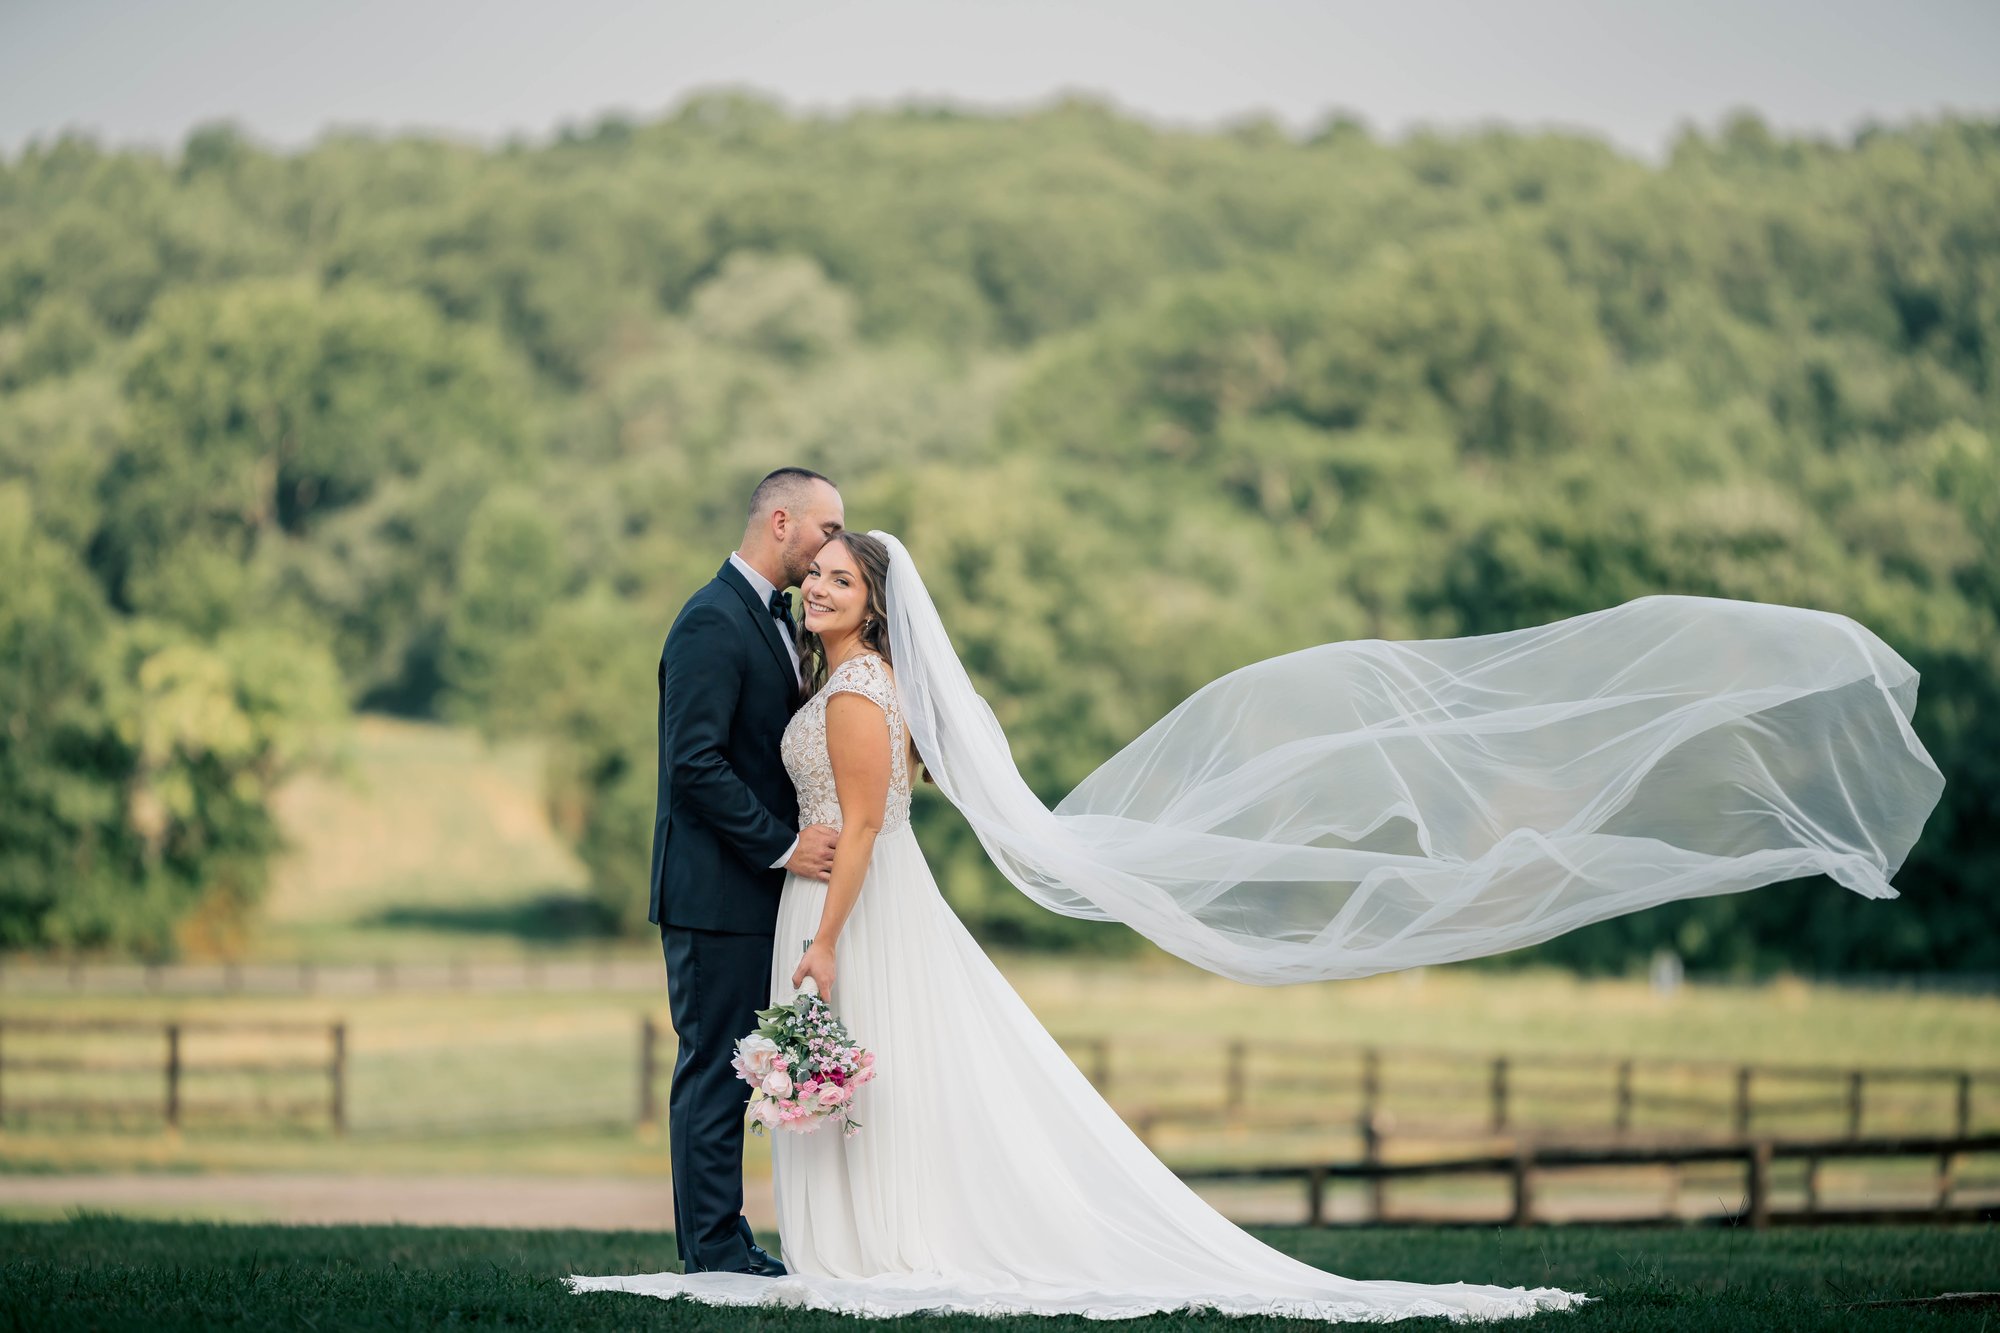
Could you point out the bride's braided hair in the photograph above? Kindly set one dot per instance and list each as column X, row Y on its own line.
column 873, row 558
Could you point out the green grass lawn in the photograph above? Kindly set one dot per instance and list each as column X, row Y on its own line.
column 91, row 1272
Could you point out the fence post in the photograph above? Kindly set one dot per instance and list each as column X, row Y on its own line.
column 1854, row 1104
column 1621, row 1119
column 1233, row 1079
column 337, row 1079
column 173, row 1076
column 1524, row 1187
column 1499, row 1094
column 1743, row 1099
column 649, row 1107
column 1371, row 1084
column 1315, row 1196
column 1371, row 1153
column 1760, row 1184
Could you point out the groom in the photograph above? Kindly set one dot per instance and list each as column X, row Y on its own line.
column 723, row 837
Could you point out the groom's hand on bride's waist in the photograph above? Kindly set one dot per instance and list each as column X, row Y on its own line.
column 813, row 857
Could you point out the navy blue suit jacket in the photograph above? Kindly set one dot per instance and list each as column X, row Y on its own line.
column 726, row 808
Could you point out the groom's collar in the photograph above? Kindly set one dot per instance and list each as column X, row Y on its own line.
column 760, row 585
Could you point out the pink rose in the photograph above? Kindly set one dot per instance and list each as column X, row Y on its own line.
column 778, row 1083
column 832, row 1095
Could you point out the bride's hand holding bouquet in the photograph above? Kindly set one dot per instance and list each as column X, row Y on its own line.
column 815, row 968
column 801, row 1063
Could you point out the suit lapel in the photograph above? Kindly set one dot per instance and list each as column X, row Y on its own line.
column 767, row 624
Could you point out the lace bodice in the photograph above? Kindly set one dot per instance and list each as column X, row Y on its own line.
column 804, row 747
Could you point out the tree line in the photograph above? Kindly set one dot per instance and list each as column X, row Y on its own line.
column 410, row 425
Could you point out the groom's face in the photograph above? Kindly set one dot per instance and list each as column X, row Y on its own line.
column 820, row 518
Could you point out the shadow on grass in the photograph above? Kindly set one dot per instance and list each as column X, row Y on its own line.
column 550, row 918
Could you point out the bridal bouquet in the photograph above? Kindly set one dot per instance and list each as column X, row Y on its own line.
column 803, row 1066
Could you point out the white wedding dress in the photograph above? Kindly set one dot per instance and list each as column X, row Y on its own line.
column 1346, row 810
column 989, row 1177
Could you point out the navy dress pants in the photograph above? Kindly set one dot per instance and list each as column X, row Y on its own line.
column 716, row 983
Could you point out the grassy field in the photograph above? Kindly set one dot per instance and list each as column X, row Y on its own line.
column 428, row 843
column 93, row 1272
column 434, row 845
column 470, row 1068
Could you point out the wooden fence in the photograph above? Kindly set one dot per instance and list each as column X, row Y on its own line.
column 1430, row 1092
column 1241, row 1084
column 101, row 1079
column 1526, row 1167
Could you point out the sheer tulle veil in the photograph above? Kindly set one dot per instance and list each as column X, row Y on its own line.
column 1368, row 806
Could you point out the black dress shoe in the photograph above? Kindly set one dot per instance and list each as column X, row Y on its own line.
column 763, row 1265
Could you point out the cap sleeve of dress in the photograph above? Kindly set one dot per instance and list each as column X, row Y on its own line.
column 866, row 676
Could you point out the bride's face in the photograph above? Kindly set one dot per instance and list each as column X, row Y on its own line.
column 835, row 597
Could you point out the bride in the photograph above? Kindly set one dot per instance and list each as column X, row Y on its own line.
column 1346, row 810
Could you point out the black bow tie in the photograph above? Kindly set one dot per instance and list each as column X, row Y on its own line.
column 782, row 610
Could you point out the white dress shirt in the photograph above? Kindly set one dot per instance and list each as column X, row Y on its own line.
column 763, row 587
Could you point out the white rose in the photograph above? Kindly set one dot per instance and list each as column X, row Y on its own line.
column 777, row 1083
column 754, row 1055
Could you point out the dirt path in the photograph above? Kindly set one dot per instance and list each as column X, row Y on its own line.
column 482, row 1201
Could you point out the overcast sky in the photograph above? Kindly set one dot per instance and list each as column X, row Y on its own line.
column 145, row 71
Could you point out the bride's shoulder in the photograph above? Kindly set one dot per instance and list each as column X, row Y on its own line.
column 864, row 674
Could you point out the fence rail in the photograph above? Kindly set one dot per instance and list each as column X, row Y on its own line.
column 1529, row 1164
column 1430, row 1090
column 175, row 1067
column 1239, row 1088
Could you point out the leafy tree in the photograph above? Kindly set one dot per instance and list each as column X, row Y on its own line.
column 1149, row 403
column 136, row 764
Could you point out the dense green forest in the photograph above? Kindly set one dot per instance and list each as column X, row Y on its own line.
column 410, row 425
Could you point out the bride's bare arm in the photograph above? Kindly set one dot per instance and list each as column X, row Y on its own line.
column 857, row 745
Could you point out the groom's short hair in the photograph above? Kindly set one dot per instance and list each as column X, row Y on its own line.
column 784, row 489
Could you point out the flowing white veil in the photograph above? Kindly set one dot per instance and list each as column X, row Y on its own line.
column 1369, row 806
